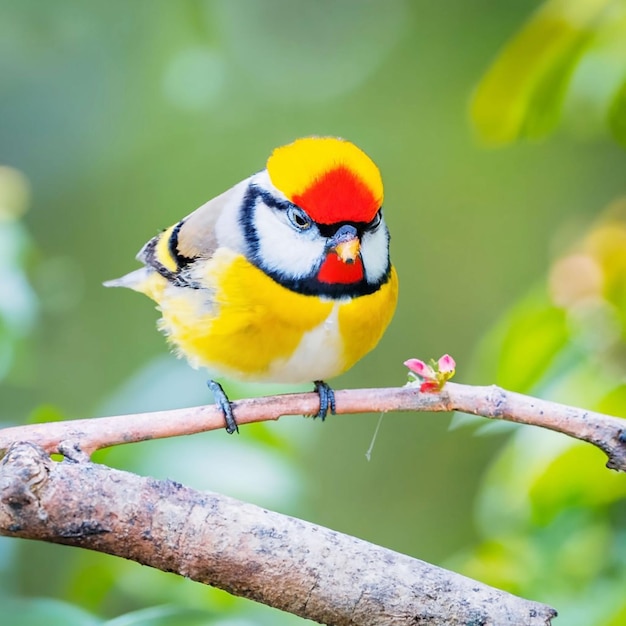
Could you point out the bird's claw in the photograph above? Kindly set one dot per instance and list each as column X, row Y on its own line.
column 222, row 401
column 327, row 399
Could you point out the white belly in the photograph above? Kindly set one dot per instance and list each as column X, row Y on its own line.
column 319, row 355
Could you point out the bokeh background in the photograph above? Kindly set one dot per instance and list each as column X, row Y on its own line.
column 118, row 118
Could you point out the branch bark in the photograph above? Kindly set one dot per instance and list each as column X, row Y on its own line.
column 604, row 431
column 287, row 563
column 278, row 560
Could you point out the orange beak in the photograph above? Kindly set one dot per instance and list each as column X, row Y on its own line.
column 346, row 244
column 348, row 250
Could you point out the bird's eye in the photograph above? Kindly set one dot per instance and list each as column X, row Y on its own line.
column 375, row 223
column 298, row 218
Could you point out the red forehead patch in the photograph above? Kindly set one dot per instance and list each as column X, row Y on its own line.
column 338, row 196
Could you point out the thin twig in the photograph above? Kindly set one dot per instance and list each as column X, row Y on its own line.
column 604, row 431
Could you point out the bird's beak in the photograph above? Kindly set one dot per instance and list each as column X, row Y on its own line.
column 346, row 244
column 348, row 251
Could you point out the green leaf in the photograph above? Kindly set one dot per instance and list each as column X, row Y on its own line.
column 29, row 611
column 614, row 403
column 617, row 115
column 522, row 92
column 576, row 478
column 525, row 344
column 164, row 616
column 619, row 618
column 45, row 413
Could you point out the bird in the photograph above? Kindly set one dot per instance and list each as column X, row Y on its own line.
column 284, row 278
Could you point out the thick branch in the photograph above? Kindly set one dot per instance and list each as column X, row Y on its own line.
column 604, row 431
column 287, row 563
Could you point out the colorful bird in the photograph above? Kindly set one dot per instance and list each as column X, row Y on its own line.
column 283, row 278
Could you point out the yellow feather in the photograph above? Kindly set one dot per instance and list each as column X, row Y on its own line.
column 292, row 168
column 253, row 325
column 251, row 321
column 363, row 320
column 162, row 251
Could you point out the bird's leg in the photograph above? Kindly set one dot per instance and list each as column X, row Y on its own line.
column 222, row 401
column 327, row 399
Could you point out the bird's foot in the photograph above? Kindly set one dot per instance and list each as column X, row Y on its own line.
column 327, row 399
column 222, row 401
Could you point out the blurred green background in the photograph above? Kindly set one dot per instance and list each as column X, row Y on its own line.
column 118, row 118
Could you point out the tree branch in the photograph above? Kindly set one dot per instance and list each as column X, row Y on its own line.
column 606, row 432
column 287, row 563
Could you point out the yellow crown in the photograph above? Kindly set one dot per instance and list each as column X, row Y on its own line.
column 328, row 177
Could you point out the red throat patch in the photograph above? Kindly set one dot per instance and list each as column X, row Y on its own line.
column 335, row 271
column 338, row 196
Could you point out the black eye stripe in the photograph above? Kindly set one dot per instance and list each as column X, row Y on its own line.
column 308, row 285
column 378, row 218
column 271, row 201
column 326, row 230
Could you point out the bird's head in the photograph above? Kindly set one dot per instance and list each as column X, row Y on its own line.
column 315, row 219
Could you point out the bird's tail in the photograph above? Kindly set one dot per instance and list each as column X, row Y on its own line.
column 134, row 280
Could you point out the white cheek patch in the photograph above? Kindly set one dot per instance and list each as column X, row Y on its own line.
column 294, row 254
column 375, row 253
column 282, row 248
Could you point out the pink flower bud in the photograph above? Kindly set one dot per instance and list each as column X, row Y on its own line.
column 446, row 364
column 421, row 369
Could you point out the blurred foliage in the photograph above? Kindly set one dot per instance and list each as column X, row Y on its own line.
column 118, row 118
column 572, row 49
column 552, row 517
column 18, row 307
column 567, row 338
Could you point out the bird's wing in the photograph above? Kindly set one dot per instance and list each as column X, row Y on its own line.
column 191, row 239
column 172, row 253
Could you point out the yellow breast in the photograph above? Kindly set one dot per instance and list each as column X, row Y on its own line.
column 245, row 325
